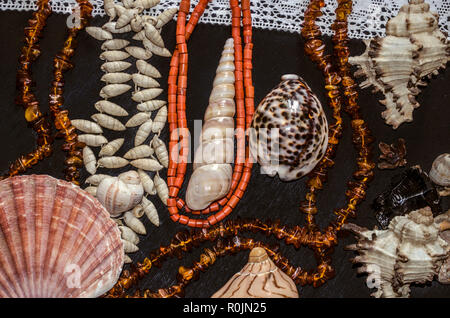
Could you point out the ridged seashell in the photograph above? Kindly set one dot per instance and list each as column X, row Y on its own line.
column 121, row 193
column 98, row 33
column 86, row 126
column 409, row 251
column 146, row 164
column 111, row 27
column 440, row 170
column 138, row 152
column 56, row 240
column 116, row 78
column 138, row 119
column 211, row 178
column 165, row 17
column 146, row 4
column 147, row 69
column 408, row 191
column 115, row 44
column 414, row 38
column 111, row 147
column 126, row 16
column 139, row 36
column 129, row 247
column 146, row 94
column 91, row 190
column 115, row 67
column 89, row 160
column 151, row 105
column 161, row 188
column 96, row 179
column 129, row 235
column 150, row 211
column 110, row 108
column 143, row 132
column 160, row 151
column 260, row 278
column 144, row 81
column 138, row 52
column 138, row 211
column 160, row 120
column 137, row 24
column 108, row 6
column 155, row 49
column 92, row 140
column 109, row 122
column 289, row 132
column 133, row 223
column 147, row 182
column 153, row 35
column 112, row 162
column 112, row 56
column 113, row 90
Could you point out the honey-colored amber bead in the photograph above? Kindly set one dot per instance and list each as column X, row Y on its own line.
column 186, row 273
column 32, row 113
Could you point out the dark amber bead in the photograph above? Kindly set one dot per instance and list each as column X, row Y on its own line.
column 32, row 113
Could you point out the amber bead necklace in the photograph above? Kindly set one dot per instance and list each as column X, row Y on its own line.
column 338, row 82
column 26, row 98
column 177, row 85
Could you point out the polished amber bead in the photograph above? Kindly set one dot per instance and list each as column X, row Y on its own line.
column 32, row 113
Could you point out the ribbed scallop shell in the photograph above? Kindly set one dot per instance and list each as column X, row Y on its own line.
column 260, row 278
column 289, row 132
column 55, row 240
column 414, row 49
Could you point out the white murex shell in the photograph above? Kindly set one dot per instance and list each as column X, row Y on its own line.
column 409, row 251
column 412, row 37
column 211, row 178
column 120, row 194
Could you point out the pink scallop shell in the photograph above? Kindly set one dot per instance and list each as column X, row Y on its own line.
column 56, row 240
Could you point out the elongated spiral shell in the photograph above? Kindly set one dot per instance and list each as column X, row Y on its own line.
column 289, row 132
column 56, row 240
column 211, row 179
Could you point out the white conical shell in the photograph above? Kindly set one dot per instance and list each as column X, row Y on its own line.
column 109, row 122
column 147, row 182
column 115, row 55
column 87, row 126
column 147, row 69
column 440, row 170
column 111, row 147
column 144, row 81
column 110, row 108
column 161, row 188
column 155, row 49
column 96, row 179
column 142, row 151
column 143, row 132
column 165, row 17
column 160, row 151
column 120, row 194
column 133, row 223
column 146, row 164
column 153, row 35
column 92, row 140
column 56, row 240
column 112, row 162
column 116, row 78
column 99, row 33
column 138, row 119
column 146, row 94
column 114, row 67
column 259, row 278
column 129, row 235
column 138, row 52
column 115, row 44
column 89, row 160
column 113, row 90
column 151, row 105
column 160, row 120
column 150, row 211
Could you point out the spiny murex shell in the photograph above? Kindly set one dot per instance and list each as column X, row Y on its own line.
column 409, row 251
column 55, row 240
column 260, row 278
column 414, row 49
column 289, row 132
column 120, row 194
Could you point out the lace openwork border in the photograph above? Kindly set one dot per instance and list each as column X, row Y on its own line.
column 367, row 20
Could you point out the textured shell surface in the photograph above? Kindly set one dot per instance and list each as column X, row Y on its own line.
column 143, row 132
column 211, row 178
column 110, row 108
column 160, row 120
column 115, row 44
column 289, row 132
column 136, row 24
column 161, row 151
column 89, row 160
column 409, row 251
column 153, row 35
column 114, row 67
column 161, row 188
column 96, row 179
column 99, row 33
column 138, row 52
column 134, row 223
column 155, row 49
column 129, row 247
column 141, row 151
column 413, row 37
column 116, row 78
column 151, row 105
column 146, row 4
column 92, row 140
column 129, row 235
column 111, row 27
column 138, row 119
column 440, row 170
column 259, row 278
column 147, row 69
column 109, row 122
column 108, row 5
column 87, row 126
column 165, row 17
column 36, row 261
column 112, row 162
column 144, row 81
column 146, row 94
column 146, row 164
column 147, row 182
column 111, row 147
column 115, row 55
column 120, row 194
column 150, row 211
column 113, row 90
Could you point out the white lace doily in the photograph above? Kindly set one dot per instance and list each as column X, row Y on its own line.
column 367, row 20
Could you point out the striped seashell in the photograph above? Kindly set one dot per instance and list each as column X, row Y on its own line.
column 143, row 132
column 150, row 211
column 87, row 126
column 139, row 36
column 147, row 69
column 129, row 235
column 98, row 33
column 111, row 148
column 111, row 27
column 146, row 4
column 153, row 35
column 146, row 164
column 112, row 56
column 113, row 90
column 114, row 44
column 112, row 162
column 138, row 52
column 144, row 81
column 108, row 6
column 96, row 179
column 138, row 211
column 128, row 4
column 147, row 182
column 165, row 17
column 126, row 16
column 161, row 188
column 134, row 223
column 142, row 151
column 160, row 151
column 138, row 119
column 137, row 24
column 146, row 94
column 110, row 108
column 155, row 49
column 116, row 78
column 129, row 247
column 89, row 160
column 160, row 120
column 109, row 122
column 151, row 105
column 92, row 140
column 114, row 67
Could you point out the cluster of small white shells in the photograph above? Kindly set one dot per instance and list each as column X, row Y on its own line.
column 149, row 154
